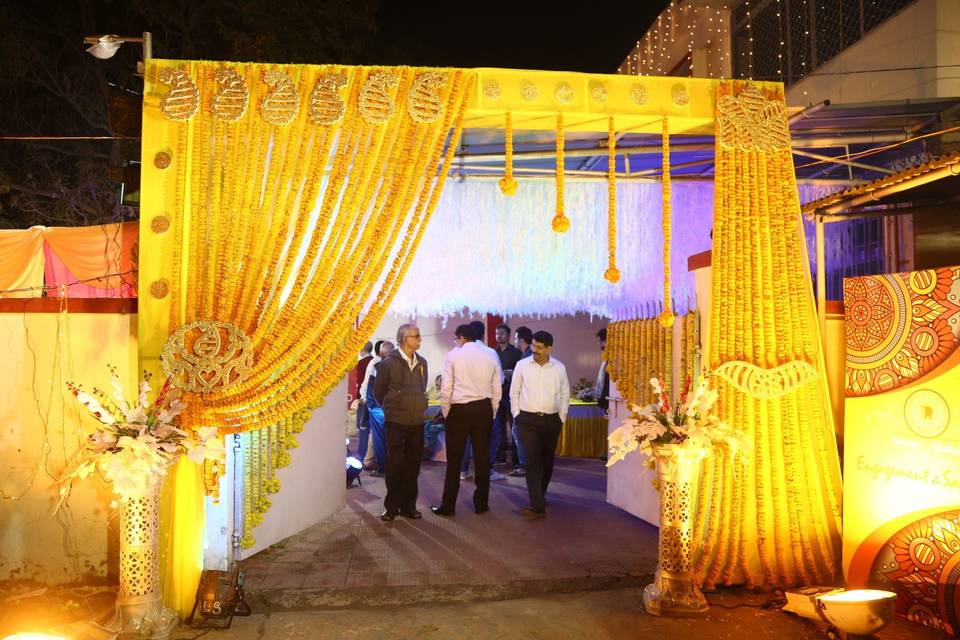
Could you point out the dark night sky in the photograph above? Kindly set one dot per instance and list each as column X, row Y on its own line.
column 588, row 36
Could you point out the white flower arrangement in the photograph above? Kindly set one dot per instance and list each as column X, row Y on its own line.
column 688, row 423
column 134, row 444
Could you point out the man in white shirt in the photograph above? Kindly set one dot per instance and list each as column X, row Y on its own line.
column 539, row 400
column 469, row 393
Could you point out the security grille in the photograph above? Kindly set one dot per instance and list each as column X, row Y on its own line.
column 786, row 39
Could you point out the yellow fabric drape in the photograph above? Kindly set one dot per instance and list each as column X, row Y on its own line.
column 773, row 518
column 296, row 197
column 92, row 252
column 21, row 261
column 181, row 535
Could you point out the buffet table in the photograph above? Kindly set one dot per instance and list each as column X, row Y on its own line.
column 584, row 433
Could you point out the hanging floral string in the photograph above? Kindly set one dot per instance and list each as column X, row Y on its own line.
column 612, row 274
column 666, row 317
column 508, row 185
column 560, row 223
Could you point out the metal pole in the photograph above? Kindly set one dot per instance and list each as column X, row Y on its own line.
column 821, row 285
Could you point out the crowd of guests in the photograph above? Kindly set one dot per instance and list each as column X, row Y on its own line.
column 512, row 399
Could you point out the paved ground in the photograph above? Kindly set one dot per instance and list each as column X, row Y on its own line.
column 578, row 573
column 582, row 537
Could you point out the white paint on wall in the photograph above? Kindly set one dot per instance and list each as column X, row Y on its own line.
column 313, row 486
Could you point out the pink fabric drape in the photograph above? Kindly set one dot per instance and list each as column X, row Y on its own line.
column 76, row 262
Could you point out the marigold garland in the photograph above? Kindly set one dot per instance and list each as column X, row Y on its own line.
column 241, row 199
column 508, row 185
column 666, row 317
column 560, row 222
column 612, row 274
column 779, row 518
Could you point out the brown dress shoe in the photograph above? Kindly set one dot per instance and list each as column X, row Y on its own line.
column 532, row 514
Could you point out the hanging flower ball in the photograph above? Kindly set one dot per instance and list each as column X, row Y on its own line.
column 247, row 541
column 508, row 186
column 612, row 275
column 560, row 223
column 272, row 485
column 666, row 319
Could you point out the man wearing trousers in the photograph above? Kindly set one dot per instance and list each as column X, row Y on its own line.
column 539, row 400
column 469, row 393
column 400, row 387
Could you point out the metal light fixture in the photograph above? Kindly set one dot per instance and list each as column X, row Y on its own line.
column 860, row 612
column 106, row 46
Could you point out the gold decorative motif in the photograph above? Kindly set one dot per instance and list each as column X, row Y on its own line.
column 638, row 95
column 767, row 384
column 207, row 355
column 751, row 122
column 491, row 90
column 529, row 91
column 376, row 103
column 599, row 93
column 423, row 103
column 563, row 93
column 326, row 106
column 159, row 289
column 183, row 100
column 230, row 104
column 162, row 159
column 680, row 96
column 281, row 104
column 159, row 224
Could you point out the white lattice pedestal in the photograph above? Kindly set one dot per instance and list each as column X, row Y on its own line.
column 674, row 591
column 140, row 611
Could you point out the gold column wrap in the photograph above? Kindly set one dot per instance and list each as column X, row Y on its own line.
column 674, row 591
column 774, row 518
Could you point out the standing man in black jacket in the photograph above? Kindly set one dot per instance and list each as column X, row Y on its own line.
column 400, row 388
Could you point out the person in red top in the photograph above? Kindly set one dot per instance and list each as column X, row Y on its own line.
column 363, row 416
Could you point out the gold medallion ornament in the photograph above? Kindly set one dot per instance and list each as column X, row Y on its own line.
column 563, row 93
column 599, row 93
column 767, row 384
column 230, row 103
column 162, row 159
column 423, row 103
column 159, row 224
column 491, row 90
column 281, row 104
column 681, row 97
column 376, row 103
column 638, row 95
column 207, row 355
column 529, row 91
column 326, row 106
column 183, row 100
column 159, row 289
column 750, row 122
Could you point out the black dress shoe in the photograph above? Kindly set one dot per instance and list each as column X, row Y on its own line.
column 388, row 515
column 481, row 508
column 411, row 514
column 443, row 511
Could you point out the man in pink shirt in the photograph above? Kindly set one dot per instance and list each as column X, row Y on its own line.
column 469, row 394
